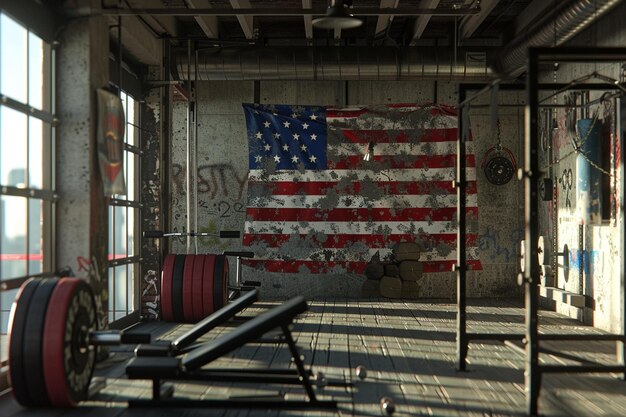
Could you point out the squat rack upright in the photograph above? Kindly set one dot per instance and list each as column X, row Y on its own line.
column 530, row 277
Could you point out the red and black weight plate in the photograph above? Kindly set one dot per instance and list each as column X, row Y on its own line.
column 68, row 359
column 196, row 296
column 177, row 288
column 207, row 285
column 17, row 340
column 34, row 342
column 188, row 289
column 220, row 272
column 166, row 288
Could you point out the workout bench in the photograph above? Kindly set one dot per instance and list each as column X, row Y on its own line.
column 190, row 366
column 185, row 342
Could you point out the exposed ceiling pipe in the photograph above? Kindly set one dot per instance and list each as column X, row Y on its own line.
column 338, row 63
column 566, row 21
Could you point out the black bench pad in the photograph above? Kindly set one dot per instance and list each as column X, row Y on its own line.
column 153, row 368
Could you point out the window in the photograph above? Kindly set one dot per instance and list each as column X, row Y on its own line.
column 124, row 224
column 26, row 162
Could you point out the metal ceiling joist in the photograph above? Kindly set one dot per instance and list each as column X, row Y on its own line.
column 208, row 24
column 384, row 21
column 308, row 20
column 245, row 20
column 422, row 21
column 266, row 11
column 469, row 24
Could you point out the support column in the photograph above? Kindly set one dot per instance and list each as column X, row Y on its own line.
column 82, row 211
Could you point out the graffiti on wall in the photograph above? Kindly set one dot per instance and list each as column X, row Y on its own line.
column 212, row 179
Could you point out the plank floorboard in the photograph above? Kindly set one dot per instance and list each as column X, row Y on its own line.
column 408, row 349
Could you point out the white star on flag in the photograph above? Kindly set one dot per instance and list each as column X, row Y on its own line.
column 258, row 158
column 294, row 115
column 305, row 126
column 296, row 136
column 267, row 147
column 312, row 158
column 285, row 147
column 277, row 135
column 294, row 159
column 286, row 123
column 277, row 158
column 266, row 123
column 303, row 147
column 313, row 136
column 313, row 117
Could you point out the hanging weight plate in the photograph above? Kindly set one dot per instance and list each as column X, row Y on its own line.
column 17, row 339
column 68, row 359
column 34, row 342
column 499, row 170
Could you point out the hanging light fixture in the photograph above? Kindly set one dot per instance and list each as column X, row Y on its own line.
column 369, row 152
column 337, row 17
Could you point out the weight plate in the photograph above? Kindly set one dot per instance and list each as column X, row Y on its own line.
column 499, row 170
column 207, row 285
column 187, row 289
column 225, row 281
column 218, row 281
column 17, row 340
column 177, row 288
column 166, row 288
column 68, row 360
column 196, row 296
column 33, row 343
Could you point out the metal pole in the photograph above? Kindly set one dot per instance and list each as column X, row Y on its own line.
column 194, row 100
column 188, row 168
column 531, row 267
column 461, row 330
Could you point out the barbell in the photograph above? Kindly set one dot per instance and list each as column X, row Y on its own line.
column 53, row 330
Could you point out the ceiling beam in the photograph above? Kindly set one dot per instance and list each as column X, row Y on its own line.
column 245, row 20
column 268, row 11
column 383, row 22
column 422, row 21
column 208, row 24
column 308, row 19
column 469, row 24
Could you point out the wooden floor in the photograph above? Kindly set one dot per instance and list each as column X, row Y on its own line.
column 408, row 349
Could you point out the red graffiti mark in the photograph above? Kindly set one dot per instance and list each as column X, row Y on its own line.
column 84, row 264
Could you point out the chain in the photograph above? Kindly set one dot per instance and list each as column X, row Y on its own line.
column 577, row 149
column 499, row 140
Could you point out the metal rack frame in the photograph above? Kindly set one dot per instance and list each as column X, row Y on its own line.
column 530, row 278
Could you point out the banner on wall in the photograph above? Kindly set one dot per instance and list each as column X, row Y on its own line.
column 316, row 206
column 110, row 136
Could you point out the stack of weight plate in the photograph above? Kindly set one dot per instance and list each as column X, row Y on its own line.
column 398, row 279
column 50, row 363
column 193, row 286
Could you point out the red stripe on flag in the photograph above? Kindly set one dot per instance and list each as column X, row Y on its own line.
column 346, row 240
column 435, row 110
column 356, row 214
column 399, row 162
column 354, row 188
column 297, row 266
column 396, row 136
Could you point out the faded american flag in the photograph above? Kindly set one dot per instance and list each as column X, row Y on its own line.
column 314, row 205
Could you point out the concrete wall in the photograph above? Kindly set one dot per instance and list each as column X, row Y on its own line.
column 597, row 242
column 223, row 166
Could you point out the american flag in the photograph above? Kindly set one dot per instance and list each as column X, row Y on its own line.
column 315, row 205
